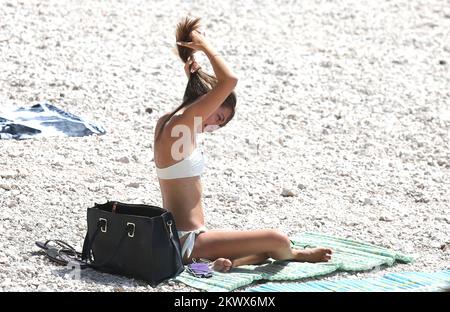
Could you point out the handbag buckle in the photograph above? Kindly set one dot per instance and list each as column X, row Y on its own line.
column 104, row 227
column 133, row 229
column 169, row 223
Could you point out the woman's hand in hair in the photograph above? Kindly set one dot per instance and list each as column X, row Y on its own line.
column 198, row 43
column 191, row 66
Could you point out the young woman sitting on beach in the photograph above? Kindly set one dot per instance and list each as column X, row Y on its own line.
column 208, row 103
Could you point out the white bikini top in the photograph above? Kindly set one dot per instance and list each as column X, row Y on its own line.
column 190, row 166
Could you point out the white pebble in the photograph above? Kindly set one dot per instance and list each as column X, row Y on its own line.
column 123, row 160
column 287, row 193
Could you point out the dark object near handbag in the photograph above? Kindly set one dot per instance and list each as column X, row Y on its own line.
column 138, row 241
column 134, row 240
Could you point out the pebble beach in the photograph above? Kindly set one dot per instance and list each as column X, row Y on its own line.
column 342, row 124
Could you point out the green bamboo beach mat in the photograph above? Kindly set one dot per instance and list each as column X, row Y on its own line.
column 392, row 282
column 348, row 255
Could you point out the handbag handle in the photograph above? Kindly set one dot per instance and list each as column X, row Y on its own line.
column 171, row 238
column 87, row 246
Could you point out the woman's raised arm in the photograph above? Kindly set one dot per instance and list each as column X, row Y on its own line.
column 206, row 104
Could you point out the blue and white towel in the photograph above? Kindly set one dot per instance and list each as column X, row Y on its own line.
column 44, row 120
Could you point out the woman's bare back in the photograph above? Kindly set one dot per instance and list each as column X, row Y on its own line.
column 181, row 196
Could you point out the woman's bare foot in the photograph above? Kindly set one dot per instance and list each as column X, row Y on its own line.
column 312, row 254
column 222, row 265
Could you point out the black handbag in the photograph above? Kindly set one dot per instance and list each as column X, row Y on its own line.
column 133, row 240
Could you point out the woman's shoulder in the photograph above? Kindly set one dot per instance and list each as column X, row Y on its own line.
column 173, row 120
column 159, row 124
column 163, row 121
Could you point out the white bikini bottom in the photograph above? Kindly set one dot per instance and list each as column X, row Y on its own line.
column 188, row 244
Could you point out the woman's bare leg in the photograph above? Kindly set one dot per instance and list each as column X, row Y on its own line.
column 253, row 259
column 224, row 265
column 252, row 247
